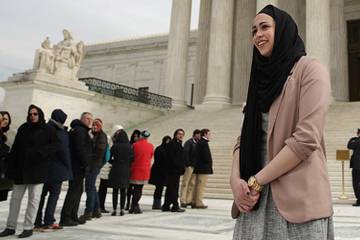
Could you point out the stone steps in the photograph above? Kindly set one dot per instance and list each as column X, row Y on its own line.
column 225, row 125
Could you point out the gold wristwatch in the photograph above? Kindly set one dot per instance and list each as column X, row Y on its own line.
column 252, row 183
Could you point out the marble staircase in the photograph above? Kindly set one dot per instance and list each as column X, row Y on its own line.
column 225, row 126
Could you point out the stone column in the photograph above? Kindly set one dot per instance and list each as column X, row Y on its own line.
column 178, row 51
column 339, row 63
column 260, row 4
column 202, row 51
column 318, row 30
column 220, row 49
column 242, row 49
column 296, row 9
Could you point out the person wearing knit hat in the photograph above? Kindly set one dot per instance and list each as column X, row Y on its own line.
column 59, row 171
column 145, row 134
column 116, row 128
column 140, row 169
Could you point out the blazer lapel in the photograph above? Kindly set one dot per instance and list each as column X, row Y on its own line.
column 274, row 110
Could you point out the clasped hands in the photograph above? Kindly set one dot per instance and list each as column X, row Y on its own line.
column 245, row 198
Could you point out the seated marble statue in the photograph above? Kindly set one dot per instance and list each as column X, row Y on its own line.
column 62, row 59
column 44, row 59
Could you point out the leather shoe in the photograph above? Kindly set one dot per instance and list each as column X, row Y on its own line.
column 104, row 211
column 69, row 223
column 165, row 209
column 26, row 233
column 184, row 205
column 7, row 232
column 356, row 205
column 177, row 210
column 199, row 207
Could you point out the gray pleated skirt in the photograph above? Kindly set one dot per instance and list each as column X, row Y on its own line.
column 267, row 224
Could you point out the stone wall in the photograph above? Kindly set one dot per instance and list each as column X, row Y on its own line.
column 73, row 101
column 136, row 63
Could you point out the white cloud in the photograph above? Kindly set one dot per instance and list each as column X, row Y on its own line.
column 24, row 24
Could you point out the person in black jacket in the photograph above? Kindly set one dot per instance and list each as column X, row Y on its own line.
column 135, row 136
column 203, row 168
column 81, row 154
column 99, row 143
column 188, row 182
column 175, row 168
column 5, row 183
column 122, row 154
column 158, row 171
column 59, row 171
column 354, row 144
column 28, row 166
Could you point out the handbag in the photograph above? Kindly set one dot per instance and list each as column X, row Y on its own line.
column 235, row 212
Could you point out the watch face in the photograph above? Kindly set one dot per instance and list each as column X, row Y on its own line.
column 251, row 182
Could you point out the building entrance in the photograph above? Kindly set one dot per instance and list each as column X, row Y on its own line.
column 353, row 28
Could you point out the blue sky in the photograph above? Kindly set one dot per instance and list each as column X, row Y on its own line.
column 24, row 24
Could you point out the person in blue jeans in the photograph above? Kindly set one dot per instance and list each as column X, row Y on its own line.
column 92, row 209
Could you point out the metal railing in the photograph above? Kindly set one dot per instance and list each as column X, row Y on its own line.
column 126, row 92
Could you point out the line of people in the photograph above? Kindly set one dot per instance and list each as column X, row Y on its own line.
column 44, row 155
column 171, row 160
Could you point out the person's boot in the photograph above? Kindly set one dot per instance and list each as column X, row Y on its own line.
column 177, row 209
column 156, row 204
column 137, row 209
column 97, row 213
column 104, row 210
column 132, row 208
column 113, row 213
column 7, row 232
column 85, row 217
column 127, row 207
column 26, row 233
column 122, row 212
column 165, row 208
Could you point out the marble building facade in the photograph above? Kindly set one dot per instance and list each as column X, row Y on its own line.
column 211, row 66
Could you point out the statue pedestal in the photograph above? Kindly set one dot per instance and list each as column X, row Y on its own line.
column 73, row 97
column 41, row 76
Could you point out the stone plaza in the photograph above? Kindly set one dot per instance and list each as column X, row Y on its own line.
column 214, row 223
column 205, row 73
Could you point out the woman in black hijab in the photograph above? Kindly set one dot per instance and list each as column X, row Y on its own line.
column 279, row 55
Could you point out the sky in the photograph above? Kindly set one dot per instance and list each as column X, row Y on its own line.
column 24, row 24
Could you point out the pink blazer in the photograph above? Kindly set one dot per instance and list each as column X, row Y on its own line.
column 297, row 119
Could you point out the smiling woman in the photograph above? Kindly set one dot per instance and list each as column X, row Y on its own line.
column 263, row 34
column 282, row 145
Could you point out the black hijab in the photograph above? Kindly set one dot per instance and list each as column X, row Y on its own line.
column 267, row 78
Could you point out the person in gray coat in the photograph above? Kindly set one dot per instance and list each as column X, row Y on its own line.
column 122, row 155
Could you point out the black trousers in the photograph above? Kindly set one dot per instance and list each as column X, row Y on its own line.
column 72, row 200
column 54, row 190
column 115, row 197
column 102, row 192
column 158, row 191
column 356, row 183
column 129, row 193
column 172, row 191
column 137, row 193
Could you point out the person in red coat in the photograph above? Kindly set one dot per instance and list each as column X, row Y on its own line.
column 140, row 169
